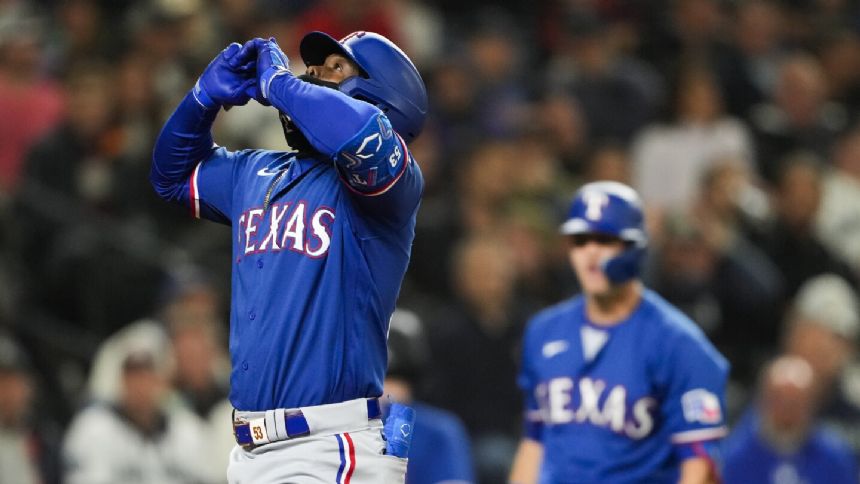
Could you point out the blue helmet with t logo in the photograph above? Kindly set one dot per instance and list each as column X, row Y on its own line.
column 615, row 209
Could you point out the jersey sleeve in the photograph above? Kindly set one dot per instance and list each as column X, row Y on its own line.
column 528, row 382
column 694, row 407
column 208, row 190
column 188, row 168
column 372, row 159
column 379, row 170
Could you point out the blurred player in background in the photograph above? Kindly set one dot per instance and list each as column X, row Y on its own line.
column 322, row 236
column 620, row 386
column 822, row 328
column 440, row 450
column 781, row 440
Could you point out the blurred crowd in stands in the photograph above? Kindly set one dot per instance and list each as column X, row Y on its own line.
column 736, row 120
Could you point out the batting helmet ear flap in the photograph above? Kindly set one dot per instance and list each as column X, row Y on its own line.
column 624, row 266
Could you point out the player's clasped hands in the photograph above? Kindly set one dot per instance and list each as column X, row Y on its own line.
column 230, row 79
column 241, row 72
column 271, row 62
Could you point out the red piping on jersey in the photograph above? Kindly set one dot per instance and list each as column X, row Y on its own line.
column 193, row 193
column 351, row 459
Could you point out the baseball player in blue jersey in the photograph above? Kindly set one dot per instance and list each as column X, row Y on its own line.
column 620, row 386
column 321, row 240
column 781, row 440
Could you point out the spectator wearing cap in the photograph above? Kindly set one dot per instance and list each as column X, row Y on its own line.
column 27, row 452
column 822, row 328
column 440, row 450
column 780, row 440
column 132, row 435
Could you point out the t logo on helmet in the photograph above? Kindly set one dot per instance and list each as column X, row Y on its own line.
column 594, row 203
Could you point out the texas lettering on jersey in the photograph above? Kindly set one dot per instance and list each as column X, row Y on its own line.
column 290, row 226
column 598, row 405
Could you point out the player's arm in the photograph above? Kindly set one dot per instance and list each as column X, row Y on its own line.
column 694, row 407
column 529, row 456
column 698, row 470
column 186, row 140
column 371, row 157
column 527, row 462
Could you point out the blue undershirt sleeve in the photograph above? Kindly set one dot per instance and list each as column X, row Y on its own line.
column 188, row 168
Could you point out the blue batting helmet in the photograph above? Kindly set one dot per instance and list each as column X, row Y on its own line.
column 388, row 78
column 615, row 209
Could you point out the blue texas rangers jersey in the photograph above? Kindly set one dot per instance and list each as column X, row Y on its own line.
column 622, row 403
column 320, row 244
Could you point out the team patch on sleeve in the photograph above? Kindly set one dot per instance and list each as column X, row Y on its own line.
column 374, row 159
column 701, row 406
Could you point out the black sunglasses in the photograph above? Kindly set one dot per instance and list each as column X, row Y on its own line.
column 580, row 240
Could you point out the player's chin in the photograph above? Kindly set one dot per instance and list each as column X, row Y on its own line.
column 595, row 284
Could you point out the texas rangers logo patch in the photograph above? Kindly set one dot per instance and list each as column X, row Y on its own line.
column 701, row 406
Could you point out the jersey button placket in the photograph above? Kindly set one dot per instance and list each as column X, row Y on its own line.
column 259, row 263
column 252, row 315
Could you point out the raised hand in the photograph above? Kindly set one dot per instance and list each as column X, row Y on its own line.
column 271, row 62
column 230, row 79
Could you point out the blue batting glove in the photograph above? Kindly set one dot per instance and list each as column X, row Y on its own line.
column 271, row 63
column 229, row 80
